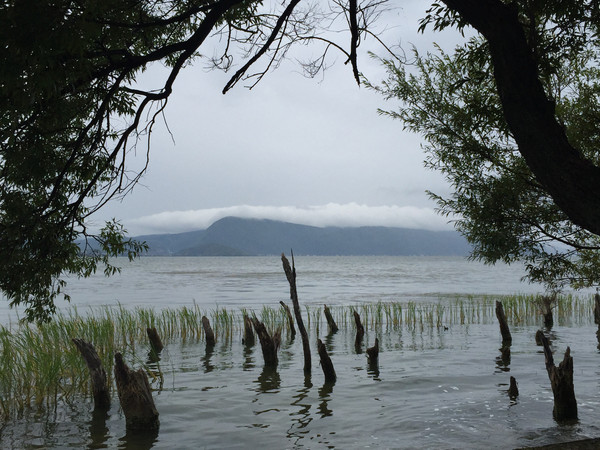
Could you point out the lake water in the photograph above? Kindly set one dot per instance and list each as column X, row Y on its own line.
column 433, row 388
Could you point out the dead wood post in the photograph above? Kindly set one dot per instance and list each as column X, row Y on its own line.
column 97, row 374
column 360, row 330
column 546, row 303
column 290, row 273
column 248, row 331
column 326, row 363
column 373, row 353
column 561, row 380
column 154, row 339
column 597, row 310
column 539, row 334
column 135, row 397
column 504, row 330
column 208, row 332
column 333, row 328
column 513, row 390
column 288, row 313
column 269, row 344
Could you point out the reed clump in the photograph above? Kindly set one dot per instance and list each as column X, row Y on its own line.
column 39, row 365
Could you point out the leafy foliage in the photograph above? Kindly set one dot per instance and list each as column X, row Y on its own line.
column 497, row 203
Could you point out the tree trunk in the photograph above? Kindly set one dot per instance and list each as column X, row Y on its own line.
column 326, row 363
column 135, row 396
column 504, row 330
column 569, row 178
column 288, row 313
column 248, row 331
column 561, row 380
column 269, row 344
column 290, row 273
column 154, row 339
column 360, row 330
column 208, row 332
column 333, row 328
column 97, row 374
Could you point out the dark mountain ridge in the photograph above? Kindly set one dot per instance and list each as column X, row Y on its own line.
column 233, row 236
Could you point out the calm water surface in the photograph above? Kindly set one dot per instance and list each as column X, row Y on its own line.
column 433, row 388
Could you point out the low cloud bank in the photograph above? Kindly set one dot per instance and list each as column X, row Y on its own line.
column 331, row 214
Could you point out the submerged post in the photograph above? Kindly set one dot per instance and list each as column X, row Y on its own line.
column 561, row 380
column 135, row 396
column 504, row 330
column 360, row 330
column 269, row 344
column 248, row 331
column 290, row 273
column 373, row 353
column 208, row 332
column 288, row 313
column 513, row 390
column 97, row 374
column 333, row 328
column 154, row 339
column 326, row 364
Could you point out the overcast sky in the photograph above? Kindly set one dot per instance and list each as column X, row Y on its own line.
column 310, row 151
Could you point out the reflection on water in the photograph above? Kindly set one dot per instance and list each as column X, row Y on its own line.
column 98, row 429
column 208, row 367
column 325, row 396
column 269, row 380
column 302, row 417
column 139, row 440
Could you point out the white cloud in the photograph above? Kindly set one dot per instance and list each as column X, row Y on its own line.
column 331, row 214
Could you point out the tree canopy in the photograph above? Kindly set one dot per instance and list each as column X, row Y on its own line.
column 503, row 205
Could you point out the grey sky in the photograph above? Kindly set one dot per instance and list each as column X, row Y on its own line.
column 310, row 151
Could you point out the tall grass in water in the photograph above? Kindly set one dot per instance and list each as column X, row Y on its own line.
column 39, row 365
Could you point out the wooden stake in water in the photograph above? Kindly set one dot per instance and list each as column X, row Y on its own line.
column 248, row 332
column 97, row 374
column 290, row 273
column 269, row 344
column 513, row 390
column 154, row 339
column 326, row 364
column 208, row 332
column 288, row 313
column 360, row 331
column 504, row 330
column 373, row 353
column 333, row 328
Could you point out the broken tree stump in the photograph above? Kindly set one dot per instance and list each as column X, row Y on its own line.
column 290, row 273
column 97, row 374
column 269, row 344
column 546, row 303
column 135, row 397
column 561, row 380
column 539, row 334
column 373, row 352
column 597, row 310
column 360, row 330
column 333, row 328
column 208, row 332
column 154, row 339
column 326, row 363
column 513, row 390
column 248, row 331
column 504, row 330
column 288, row 313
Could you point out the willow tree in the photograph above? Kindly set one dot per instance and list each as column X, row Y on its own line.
column 71, row 110
column 500, row 201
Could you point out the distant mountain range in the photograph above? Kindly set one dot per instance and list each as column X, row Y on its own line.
column 234, row 236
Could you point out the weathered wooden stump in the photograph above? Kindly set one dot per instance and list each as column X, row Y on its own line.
column 290, row 273
column 504, row 330
column 135, row 397
column 360, row 330
column 269, row 344
column 597, row 309
column 97, row 374
column 326, row 363
column 288, row 313
column 513, row 390
column 208, row 332
column 333, row 328
column 539, row 334
column 373, row 352
column 248, row 338
column 546, row 304
column 561, row 380
column 154, row 339
column 505, row 354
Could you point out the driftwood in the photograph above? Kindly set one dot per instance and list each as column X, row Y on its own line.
column 561, row 380
column 513, row 390
column 248, row 331
column 154, row 339
column 135, row 397
column 208, row 332
column 97, row 374
column 288, row 313
column 373, row 352
column 333, row 328
column 504, row 330
column 290, row 273
column 360, row 331
column 269, row 344
column 326, row 363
